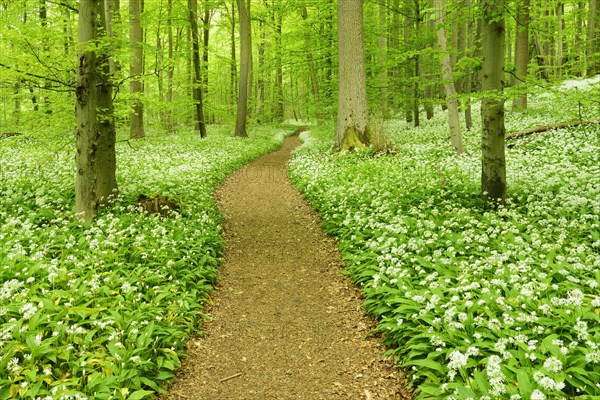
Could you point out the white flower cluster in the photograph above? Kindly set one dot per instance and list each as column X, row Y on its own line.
column 496, row 377
column 460, row 275
column 68, row 288
column 546, row 382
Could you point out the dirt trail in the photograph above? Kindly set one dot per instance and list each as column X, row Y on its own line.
column 286, row 325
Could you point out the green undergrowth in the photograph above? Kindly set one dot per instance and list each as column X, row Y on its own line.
column 102, row 311
column 473, row 303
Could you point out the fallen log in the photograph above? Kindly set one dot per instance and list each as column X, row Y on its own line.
column 545, row 128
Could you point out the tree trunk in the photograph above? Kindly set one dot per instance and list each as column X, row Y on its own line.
column 233, row 69
column 245, row 56
column 279, row 111
column 106, row 182
column 95, row 138
column 44, row 23
column 493, row 173
column 395, row 68
column 170, row 67
column 431, row 71
column 451, row 99
column 87, row 127
column 408, row 70
column 135, row 35
column 159, row 67
column 560, row 9
column 593, row 42
column 467, row 85
column 382, row 60
column 330, row 34
column 68, row 32
column 260, row 79
column 353, row 116
column 205, row 42
column 199, row 124
column 522, row 54
column 314, row 79
column 112, row 15
column 416, row 91
column 579, row 38
column 539, row 56
column 17, row 109
column 250, row 61
column 462, row 29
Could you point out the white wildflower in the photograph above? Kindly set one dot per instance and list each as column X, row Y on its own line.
column 537, row 395
column 553, row 364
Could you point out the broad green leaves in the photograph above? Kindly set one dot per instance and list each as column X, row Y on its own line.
column 473, row 303
column 102, row 311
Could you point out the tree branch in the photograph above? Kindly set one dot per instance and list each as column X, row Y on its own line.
column 65, row 5
column 61, row 82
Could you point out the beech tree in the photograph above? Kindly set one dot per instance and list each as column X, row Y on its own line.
column 353, row 130
column 295, row 44
column 522, row 53
column 493, row 172
column 95, row 139
column 196, row 80
column 593, row 42
column 448, row 77
column 245, row 59
column 135, row 35
column 382, row 59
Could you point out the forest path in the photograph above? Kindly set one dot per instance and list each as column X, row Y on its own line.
column 285, row 324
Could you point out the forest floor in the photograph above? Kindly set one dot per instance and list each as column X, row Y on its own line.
column 284, row 322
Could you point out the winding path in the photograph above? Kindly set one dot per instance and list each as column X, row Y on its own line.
column 285, row 324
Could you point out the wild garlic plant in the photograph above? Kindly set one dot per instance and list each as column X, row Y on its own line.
column 475, row 303
column 102, row 310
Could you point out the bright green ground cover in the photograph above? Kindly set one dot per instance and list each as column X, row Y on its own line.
column 476, row 304
column 103, row 310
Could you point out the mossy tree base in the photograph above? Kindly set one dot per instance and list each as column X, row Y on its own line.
column 355, row 139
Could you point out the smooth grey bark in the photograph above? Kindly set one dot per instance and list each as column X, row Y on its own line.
column 417, row 67
column 199, row 123
column 86, row 106
column 95, row 139
column 170, row 67
column 560, row 10
column 136, row 123
column 260, row 75
column 233, row 66
column 382, row 60
column 106, row 162
column 312, row 70
column 522, row 54
column 112, row 16
column 448, row 78
column 245, row 57
column 408, row 69
column 278, row 111
column 353, row 130
column 394, row 46
column 593, row 41
column 493, row 172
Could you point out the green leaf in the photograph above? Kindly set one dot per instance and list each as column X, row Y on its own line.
column 164, row 375
column 151, row 384
column 427, row 363
column 139, row 394
column 481, row 379
column 85, row 311
column 525, row 386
